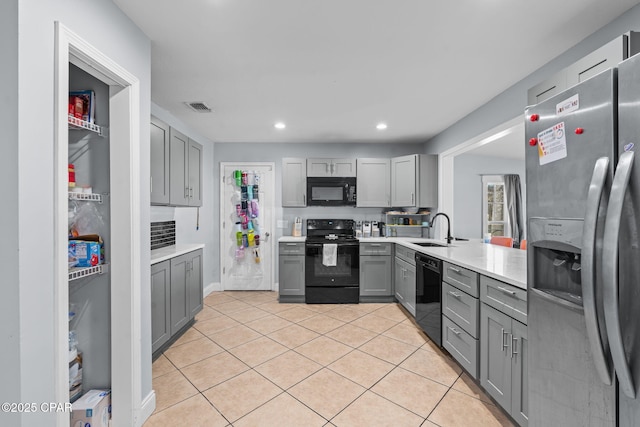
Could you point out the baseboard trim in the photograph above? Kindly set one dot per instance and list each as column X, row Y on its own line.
column 148, row 406
column 212, row 287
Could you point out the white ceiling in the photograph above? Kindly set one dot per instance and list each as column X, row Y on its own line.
column 332, row 69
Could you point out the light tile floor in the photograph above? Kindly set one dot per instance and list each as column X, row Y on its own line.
column 250, row 361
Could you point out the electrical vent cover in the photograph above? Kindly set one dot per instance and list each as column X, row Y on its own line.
column 199, row 107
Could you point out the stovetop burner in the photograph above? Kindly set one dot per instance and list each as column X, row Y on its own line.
column 330, row 230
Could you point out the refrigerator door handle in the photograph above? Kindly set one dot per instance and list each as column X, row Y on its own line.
column 610, row 272
column 599, row 349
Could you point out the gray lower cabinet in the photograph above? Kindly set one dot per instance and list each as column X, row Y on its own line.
column 160, row 304
column 176, row 296
column 503, row 361
column 460, row 316
column 405, row 284
column 376, row 268
column 194, row 283
column 291, row 271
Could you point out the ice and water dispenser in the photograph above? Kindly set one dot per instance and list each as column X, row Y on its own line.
column 554, row 251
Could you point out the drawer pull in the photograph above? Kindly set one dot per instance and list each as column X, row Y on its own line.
column 377, row 245
column 454, row 330
column 504, row 344
column 506, row 291
column 455, row 294
column 455, row 270
column 292, row 244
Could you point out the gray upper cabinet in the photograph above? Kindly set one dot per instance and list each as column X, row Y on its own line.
column 373, row 183
column 185, row 170
column 605, row 57
column 331, row 167
column 159, row 162
column 548, row 88
column 178, row 155
column 414, row 181
column 195, row 173
column 294, row 182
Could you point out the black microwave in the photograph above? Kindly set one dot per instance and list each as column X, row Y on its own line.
column 330, row 191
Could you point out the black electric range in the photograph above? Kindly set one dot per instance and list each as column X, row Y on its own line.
column 332, row 262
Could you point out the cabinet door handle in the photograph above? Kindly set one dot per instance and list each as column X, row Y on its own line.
column 455, row 294
column 333, row 168
column 191, row 192
column 454, row 330
column 412, row 196
column 186, row 192
column 304, row 199
column 152, row 184
column 504, row 344
column 455, row 270
column 514, row 346
column 506, row 291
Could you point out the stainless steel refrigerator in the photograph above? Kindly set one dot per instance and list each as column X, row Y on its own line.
column 583, row 256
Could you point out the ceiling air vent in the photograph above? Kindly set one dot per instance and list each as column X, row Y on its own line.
column 199, row 107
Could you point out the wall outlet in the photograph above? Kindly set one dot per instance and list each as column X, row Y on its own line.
column 283, row 223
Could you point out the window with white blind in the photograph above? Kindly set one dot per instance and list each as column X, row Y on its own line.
column 494, row 209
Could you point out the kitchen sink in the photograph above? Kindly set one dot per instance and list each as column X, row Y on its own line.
column 439, row 245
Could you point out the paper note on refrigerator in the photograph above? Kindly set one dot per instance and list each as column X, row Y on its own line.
column 552, row 144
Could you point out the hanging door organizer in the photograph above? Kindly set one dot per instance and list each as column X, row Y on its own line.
column 247, row 214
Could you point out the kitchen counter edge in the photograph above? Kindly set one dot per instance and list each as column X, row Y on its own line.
column 505, row 264
column 168, row 252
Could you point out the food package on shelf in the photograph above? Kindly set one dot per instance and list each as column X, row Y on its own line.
column 75, row 378
column 88, row 250
column 93, row 408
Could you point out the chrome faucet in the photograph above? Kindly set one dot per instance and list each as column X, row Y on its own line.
column 449, row 238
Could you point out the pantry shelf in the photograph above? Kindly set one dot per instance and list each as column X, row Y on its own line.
column 86, row 197
column 78, row 273
column 79, row 124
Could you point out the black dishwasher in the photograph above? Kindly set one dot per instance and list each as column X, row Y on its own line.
column 429, row 296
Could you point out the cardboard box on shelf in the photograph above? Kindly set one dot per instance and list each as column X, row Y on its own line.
column 93, row 408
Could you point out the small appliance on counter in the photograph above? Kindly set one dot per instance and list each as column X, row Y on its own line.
column 366, row 229
column 296, row 230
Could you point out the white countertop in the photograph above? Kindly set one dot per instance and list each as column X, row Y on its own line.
column 505, row 264
column 168, row 252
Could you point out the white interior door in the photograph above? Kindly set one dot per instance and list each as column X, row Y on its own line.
column 246, row 216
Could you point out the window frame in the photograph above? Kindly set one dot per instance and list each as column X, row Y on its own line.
column 486, row 180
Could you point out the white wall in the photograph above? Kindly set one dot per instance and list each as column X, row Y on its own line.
column 9, row 291
column 467, row 199
column 186, row 218
column 512, row 102
column 103, row 25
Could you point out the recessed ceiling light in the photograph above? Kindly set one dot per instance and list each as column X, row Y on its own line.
column 280, row 125
column 381, row 126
